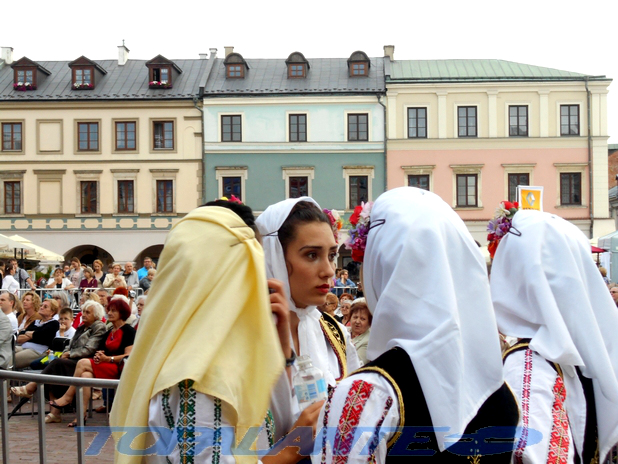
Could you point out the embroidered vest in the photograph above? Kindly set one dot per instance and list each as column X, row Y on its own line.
column 591, row 435
column 336, row 339
column 416, row 436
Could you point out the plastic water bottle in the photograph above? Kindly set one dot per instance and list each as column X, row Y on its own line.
column 51, row 356
column 309, row 383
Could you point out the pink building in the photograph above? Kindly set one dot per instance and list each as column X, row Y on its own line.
column 472, row 130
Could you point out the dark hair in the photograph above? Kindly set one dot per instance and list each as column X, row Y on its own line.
column 121, row 306
column 358, row 307
column 8, row 268
column 66, row 311
column 303, row 212
column 243, row 211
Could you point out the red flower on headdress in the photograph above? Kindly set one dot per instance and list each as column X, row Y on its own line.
column 358, row 255
column 356, row 215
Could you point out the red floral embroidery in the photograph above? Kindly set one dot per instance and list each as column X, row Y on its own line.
column 525, row 408
column 350, row 418
column 559, row 441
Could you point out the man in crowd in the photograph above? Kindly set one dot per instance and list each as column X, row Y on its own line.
column 103, row 296
column 144, row 271
column 8, row 301
column 613, row 290
column 6, row 335
column 130, row 276
column 21, row 275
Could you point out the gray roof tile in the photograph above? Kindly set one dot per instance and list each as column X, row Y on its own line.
column 120, row 83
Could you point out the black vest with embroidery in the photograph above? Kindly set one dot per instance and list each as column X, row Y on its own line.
column 488, row 438
column 336, row 339
column 591, row 434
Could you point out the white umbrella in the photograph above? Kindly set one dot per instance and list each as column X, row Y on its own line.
column 44, row 255
column 7, row 244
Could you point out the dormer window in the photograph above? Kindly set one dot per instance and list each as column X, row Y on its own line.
column 162, row 72
column 84, row 73
column 235, row 66
column 297, row 65
column 26, row 74
column 358, row 64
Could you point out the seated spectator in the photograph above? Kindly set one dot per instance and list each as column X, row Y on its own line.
column 86, row 296
column 343, row 284
column 603, row 272
column 332, row 302
column 38, row 336
column 130, row 276
column 106, row 363
column 8, row 303
column 83, row 345
column 613, row 290
column 141, row 302
column 345, row 301
column 8, row 282
column 146, row 282
column 59, row 281
column 360, row 326
column 63, row 337
column 97, row 266
column 6, row 338
column 30, row 302
column 148, row 264
column 62, row 298
column 89, row 280
column 65, row 319
column 115, row 279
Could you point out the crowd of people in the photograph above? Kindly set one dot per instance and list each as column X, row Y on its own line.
column 427, row 356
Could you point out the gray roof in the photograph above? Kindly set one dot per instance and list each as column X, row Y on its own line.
column 128, row 82
column 270, row 76
column 477, row 70
column 613, row 193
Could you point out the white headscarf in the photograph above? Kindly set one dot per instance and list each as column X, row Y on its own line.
column 310, row 336
column 426, row 282
column 546, row 287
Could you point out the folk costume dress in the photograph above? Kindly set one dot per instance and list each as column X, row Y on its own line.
column 206, row 356
column 435, row 368
column 548, row 293
column 320, row 336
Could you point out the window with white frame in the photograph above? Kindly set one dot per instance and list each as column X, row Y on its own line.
column 571, row 181
column 12, row 197
column 88, row 191
column 298, row 181
column 125, row 190
column 467, row 185
column 420, row 176
column 164, row 187
column 358, row 185
column 231, row 181
column 516, row 174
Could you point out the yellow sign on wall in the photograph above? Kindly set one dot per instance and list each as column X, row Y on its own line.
column 530, row 197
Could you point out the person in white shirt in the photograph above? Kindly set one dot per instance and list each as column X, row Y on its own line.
column 59, row 281
column 8, row 304
column 8, row 282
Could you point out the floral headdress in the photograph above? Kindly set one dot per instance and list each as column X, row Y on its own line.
column 360, row 221
column 335, row 222
column 232, row 199
column 500, row 225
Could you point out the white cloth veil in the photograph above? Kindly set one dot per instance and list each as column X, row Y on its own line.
column 426, row 282
column 310, row 336
column 546, row 287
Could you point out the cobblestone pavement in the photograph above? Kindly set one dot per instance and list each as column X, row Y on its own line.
column 61, row 441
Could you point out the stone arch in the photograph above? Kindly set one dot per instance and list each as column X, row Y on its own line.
column 88, row 253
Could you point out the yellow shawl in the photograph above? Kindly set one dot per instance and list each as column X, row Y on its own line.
column 207, row 319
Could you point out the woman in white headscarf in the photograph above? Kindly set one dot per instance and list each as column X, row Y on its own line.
column 300, row 251
column 435, row 368
column 206, row 355
column 549, row 294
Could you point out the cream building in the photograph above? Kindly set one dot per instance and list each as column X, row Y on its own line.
column 99, row 158
column 472, row 130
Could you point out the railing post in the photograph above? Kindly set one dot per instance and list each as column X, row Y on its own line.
column 40, row 392
column 5, row 422
column 79, row 398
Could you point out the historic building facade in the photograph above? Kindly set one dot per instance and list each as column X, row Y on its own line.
column 99, row 158
column 472, row 130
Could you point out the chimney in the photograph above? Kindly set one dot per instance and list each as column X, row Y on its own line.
column 213, row 53
column 7, row 55
column 123, row 54
column 203, row 56
column 389, row 51
column 228, row 50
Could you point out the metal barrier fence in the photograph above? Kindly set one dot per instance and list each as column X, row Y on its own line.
column 40, row 380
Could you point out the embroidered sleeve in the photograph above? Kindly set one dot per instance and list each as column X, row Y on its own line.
column 357, row 420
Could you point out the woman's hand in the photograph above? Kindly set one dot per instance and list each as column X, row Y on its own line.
column 100, row 357
column 281, row 309
column 65, row 355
